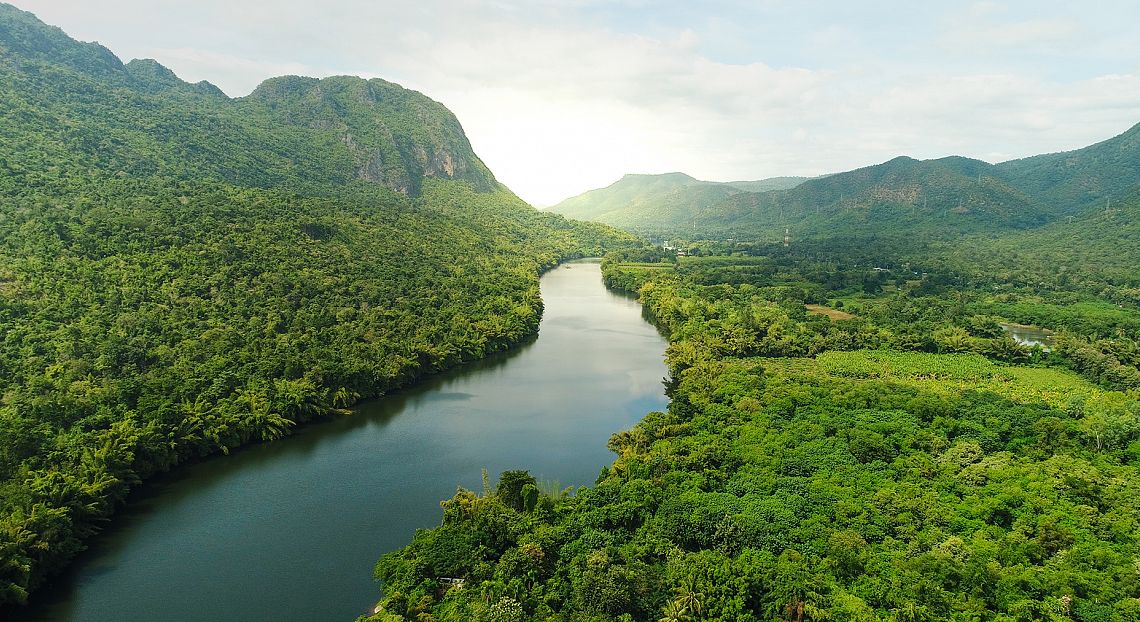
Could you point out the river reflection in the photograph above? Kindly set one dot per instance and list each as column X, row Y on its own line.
column 1029, row 335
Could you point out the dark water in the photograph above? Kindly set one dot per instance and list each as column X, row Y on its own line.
column 1029, row 335
column 290, row 530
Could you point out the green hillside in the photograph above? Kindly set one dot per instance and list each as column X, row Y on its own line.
column 1073, row 179
column 1095, row 251
column 772, row 183
column 635, row 198
column 932, row 197
column 182, row 273
column 656, row 204
column 937, row 199
column 74, row 106
column 391, row 135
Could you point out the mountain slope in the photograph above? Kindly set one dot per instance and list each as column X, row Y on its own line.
column 932, row 199
column 141, row 119
column 394, row 136
column 630, row 190
column 948, row 196
column 182, row 273
column 648, row 202
column 1094, row 251
column 772, row 183
column 1073, row 179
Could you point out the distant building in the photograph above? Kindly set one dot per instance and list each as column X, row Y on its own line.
column 787, row 237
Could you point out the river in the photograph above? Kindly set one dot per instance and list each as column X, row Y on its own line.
column 290, row 530
column 1029, row 335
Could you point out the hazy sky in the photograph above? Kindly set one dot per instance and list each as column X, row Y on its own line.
column 561, row 96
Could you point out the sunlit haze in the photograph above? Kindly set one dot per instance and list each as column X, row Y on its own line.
column 561, row 96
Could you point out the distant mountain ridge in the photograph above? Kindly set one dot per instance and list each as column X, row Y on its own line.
column 939, row 198
column 641, row 202
column 769, row 183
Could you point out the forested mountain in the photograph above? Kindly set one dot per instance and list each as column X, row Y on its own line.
column 1074, row 179
column 1096, row 251
column 654, row 203
column 182, row 273
column 935, row 199
column 933, row 196
column 393, row 136
column 88, row 109
column 771, row 183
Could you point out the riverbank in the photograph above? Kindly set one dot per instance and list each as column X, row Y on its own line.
column 299, row 522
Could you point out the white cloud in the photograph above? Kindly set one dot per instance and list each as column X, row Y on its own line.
column 981, row 31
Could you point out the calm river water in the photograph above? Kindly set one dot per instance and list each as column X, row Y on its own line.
column 290, row 530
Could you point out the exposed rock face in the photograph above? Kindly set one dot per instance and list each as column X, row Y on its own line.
column 396, row 137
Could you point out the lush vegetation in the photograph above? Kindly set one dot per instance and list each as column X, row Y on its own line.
column 909, row 463
column 852, row 434
column 181, row 273
column 1094, row 254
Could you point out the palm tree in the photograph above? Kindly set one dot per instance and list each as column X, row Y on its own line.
column 688, row 599
column 910, row 612
column 674, row 613
column 1006, row 348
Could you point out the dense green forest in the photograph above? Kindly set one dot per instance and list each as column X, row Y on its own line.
column 843, row 443
column 182, row 273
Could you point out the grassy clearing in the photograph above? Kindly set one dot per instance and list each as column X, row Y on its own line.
column 946, row 374
column 834, row 314
column 652, row 266
column 723, row 261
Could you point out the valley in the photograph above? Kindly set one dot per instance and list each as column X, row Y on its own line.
column 301, row 355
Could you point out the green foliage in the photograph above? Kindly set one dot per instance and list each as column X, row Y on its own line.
column 70, row 107
column 515, row 487
column 1078, row 178
column 887, row 364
